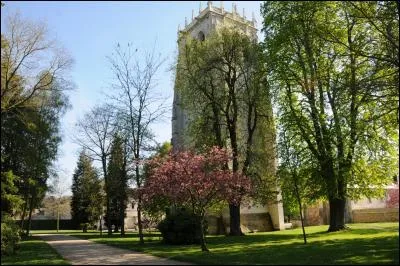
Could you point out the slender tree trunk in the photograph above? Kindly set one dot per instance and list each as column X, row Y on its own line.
column 202, row 237
column 234, row 210
column 30, row 215
column 139, row 211
column 109, row 227
column 122, row 217
column 122, row 226
column 24, row 212
column 58, row 218
column 101, row 226
column 300, row 208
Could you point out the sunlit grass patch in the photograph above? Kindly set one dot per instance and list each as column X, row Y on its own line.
column 34, row 251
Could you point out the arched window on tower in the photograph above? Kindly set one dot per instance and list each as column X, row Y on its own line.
column 201, row 36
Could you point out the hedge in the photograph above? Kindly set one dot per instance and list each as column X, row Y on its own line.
column 48, row 224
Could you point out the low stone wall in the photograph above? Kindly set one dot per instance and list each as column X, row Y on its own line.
column 257, row 222
column 375, row 215
column 250, row 222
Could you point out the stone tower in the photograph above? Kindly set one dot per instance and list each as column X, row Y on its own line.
column 209, row 19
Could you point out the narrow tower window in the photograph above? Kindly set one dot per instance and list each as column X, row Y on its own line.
column 201, row 36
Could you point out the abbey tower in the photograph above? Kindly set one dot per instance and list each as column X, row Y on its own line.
column 210, row 19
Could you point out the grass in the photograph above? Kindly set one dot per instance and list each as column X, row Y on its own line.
column 34, row 251
column 372, row 243
column 65, row 232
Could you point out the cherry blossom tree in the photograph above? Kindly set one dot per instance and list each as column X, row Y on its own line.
column 196, row 181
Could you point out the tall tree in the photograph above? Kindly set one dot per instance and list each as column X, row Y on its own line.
column 94, row 133
column 33, row 81
column 326, row 89
column 86, row 199
column 31, row 63
column 139, row 104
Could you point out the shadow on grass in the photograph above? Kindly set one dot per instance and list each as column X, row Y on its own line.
column 353, row 246
column 383, row 250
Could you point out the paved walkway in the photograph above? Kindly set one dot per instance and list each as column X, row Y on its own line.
column 79, row 251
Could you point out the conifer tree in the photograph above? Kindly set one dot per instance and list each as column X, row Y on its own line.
column 117, row 184
column 86, row 201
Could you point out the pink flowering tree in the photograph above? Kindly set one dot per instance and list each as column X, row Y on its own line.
column 196, row 181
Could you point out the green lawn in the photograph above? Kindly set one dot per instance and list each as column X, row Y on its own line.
column 64, row 232
column 34, row 251
column 372, row 243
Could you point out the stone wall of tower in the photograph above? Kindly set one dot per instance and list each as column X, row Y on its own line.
column 209, row 19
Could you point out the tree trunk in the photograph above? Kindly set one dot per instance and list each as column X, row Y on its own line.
column 24, row 213
column 101, row 225
column 104, row 164
column 139, row 211
column 300, row 207
column 30, row 216
column 301, row 218
column 58, row 219
column 234, row 213
column 202, row 238
column 122, row 217
column 336, row 212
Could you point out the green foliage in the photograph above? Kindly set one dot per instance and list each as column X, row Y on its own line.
column 32, row 103
column 164, row 149
column 155, row 209
column 11, row 201
column 336, row 94
column 9, row 235
column 86, row 203
column 181, row 227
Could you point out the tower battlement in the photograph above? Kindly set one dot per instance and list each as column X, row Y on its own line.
column 212, row 17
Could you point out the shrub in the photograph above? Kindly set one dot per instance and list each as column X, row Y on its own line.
column 9, row 235
column 85, row 227
column 180, row 227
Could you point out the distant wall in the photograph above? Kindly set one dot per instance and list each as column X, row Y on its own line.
column 48, row 224
column 375, row 215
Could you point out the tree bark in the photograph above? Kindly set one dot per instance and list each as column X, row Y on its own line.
column 234, row 214
column 58, row 218
column 202, row 238
column 234, row 211
column 104, row 164
column 301, row 214
column 30, row 215
column 24, row 212
column 139, row 211
column 336, row 212
column 101, row 226
column 122, row 217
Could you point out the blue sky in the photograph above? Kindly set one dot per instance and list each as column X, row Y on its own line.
column 89, row 31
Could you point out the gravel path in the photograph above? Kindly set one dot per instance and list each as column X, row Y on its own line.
column 79, row 251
